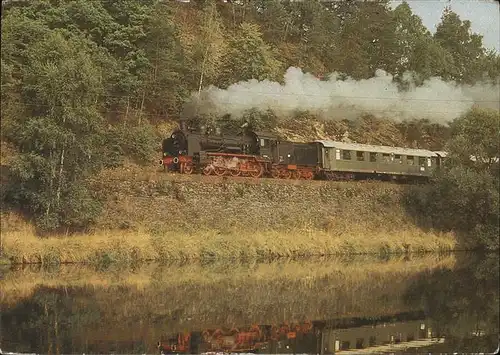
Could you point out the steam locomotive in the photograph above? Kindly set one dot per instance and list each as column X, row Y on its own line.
column 262, row 154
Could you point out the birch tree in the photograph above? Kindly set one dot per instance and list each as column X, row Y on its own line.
column 59, row 135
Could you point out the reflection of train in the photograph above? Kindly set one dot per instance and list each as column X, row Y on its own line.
column 256, row 338
column 307, row 337
column 257, row 154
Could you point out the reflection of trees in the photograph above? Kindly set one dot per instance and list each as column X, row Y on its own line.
column 123, row 317
column 461, row 303
column 51, row 320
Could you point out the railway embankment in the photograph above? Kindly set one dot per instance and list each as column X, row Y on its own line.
column 157, row 216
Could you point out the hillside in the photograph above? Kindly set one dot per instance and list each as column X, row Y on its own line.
column 150, row 215
column 89, row 86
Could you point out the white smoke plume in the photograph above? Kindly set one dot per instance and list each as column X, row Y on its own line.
column 337, row 98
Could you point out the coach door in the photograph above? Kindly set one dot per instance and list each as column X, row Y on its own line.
column 328, row 157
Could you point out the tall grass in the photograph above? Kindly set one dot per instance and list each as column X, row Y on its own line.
column 21, row 245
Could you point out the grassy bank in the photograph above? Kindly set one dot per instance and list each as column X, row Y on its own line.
column 103, row 247
column 151, row 215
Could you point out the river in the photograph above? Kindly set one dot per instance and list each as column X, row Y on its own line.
column 427, row 303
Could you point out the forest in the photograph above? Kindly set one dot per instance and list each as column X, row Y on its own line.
column 90, row 84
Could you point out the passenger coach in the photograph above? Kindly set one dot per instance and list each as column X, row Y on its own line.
column 347, row 161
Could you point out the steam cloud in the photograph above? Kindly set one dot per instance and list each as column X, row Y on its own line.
column 335, row 98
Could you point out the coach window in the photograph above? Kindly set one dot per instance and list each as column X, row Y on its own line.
column 421, row 161
column 337, row 154
column 360, row 156
column 386, row 158
column 397, row 159
column 410, row 160
column 262, row 142
column 373, row 157
column 346, row 154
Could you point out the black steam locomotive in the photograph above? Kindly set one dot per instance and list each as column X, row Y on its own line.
column 248, row 153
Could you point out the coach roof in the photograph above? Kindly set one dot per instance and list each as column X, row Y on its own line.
column 377, row 148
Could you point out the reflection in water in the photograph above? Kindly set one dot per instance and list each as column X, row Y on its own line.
column 326, row 306
column 463, row 304
column 318, row 337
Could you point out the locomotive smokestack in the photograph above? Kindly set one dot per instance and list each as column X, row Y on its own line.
column 182, row 124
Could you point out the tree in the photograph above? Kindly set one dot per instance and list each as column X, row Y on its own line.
column 275, row 19
column 249, row 57
column 204, row 45
column 59, row 136
column 489, row 65
column 315, row 29
column 422, row 133
column 163, row 87
column 117, row 28
column 367, row 40
column 465, row 194
column 475, row 134
column 416, row 49
column 465, row 47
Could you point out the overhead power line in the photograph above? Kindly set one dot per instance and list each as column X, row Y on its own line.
column 140, row 97
column 133, row 112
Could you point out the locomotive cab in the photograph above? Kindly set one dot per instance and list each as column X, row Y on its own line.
column 264, row 144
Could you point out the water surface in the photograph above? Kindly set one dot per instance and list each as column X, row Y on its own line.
column 434, row 303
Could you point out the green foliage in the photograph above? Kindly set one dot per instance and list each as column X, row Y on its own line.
column 465, row 48
column 424, row 134
column 476, row 134
column 205, row 53
column 137, row 142
column 59, row 136
column 465, row 193
column 168, row 64
column 416, row 50
column 258, row 120
column 249, row 57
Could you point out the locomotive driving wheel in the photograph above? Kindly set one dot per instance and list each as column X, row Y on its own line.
column 188, row 168
column 257, row 172
column 235, row 172
column 207, row 170
column 308, row 175
column 286, row 174
column 219, row 171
